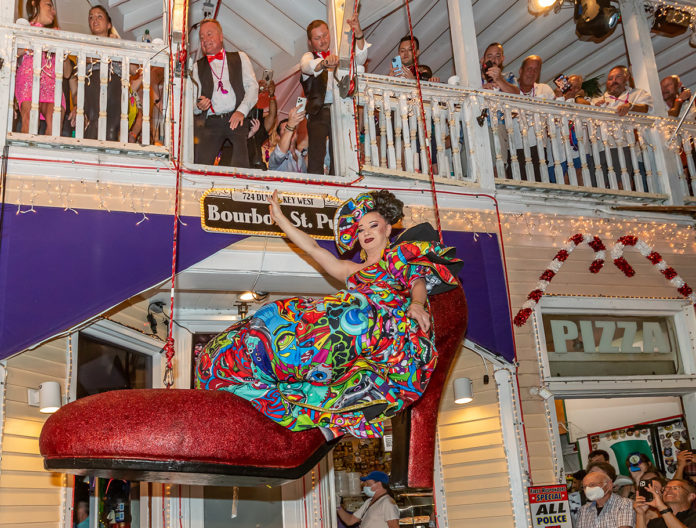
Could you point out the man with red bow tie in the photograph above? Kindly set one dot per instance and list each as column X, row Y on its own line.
column 228, row 92
column 317, row 83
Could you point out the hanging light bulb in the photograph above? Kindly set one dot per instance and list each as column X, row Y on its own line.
column 541, row 7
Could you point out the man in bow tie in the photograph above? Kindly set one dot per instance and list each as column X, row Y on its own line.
column 317, row 68
column 228, row 91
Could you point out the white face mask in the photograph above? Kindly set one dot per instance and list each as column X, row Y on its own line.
column 367, row 490
column 594, row 493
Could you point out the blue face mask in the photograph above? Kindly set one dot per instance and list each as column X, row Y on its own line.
column 367, row 490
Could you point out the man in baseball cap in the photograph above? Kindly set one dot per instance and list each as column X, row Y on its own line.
column 379, row 510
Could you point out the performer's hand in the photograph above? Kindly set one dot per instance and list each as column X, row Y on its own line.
column 203, row 103
column 236, row 120
column 354, row 24
column 420, row 315
column 435, row 79
column 623, row 109
column 271, row 88
column 276, row 211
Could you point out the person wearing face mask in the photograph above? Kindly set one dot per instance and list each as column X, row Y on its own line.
column 379, row 510
column 604, row 508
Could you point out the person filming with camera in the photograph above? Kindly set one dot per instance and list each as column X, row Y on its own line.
column 673, row 503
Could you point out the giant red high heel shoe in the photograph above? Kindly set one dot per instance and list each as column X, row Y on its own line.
column 216, row 438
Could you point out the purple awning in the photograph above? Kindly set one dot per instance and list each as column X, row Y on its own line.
column 58, row 269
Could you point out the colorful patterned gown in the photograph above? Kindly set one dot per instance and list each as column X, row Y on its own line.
column 345, row 362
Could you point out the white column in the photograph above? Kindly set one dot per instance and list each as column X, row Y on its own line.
column 466, row 64
column 640, row 51
column 508, row 399
column 644, row 69
column 342, row 119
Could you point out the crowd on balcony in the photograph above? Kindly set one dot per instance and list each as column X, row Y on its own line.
column 42, row 13
column 236, row 115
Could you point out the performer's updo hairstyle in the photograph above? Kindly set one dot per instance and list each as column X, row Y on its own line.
column 388, row 205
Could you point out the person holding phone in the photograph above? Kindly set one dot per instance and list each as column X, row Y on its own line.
column 317, row 67
column 673, row 504
column 404, row 64
column 675, row 94
column 492, row 75
column 229, row 91
column 286, row 156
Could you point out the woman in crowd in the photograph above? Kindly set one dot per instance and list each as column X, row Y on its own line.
column 100, row 26
column 348, row 361
column 41, row 13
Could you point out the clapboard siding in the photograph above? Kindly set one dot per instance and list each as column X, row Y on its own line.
column 475, row 470
column 23, row 480
column 525, row 262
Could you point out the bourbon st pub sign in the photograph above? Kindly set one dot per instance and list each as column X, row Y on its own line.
column 248, row 212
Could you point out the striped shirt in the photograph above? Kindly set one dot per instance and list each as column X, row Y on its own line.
column 617, row 512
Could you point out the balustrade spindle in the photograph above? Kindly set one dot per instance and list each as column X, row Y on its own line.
column 555, row 148
column 370, row 125
column 569, row 152
column 407, row 134
column 389, row 126
column 526, row 148
column 125, row 99
column 382, row 135
column 104, row 72
column 57, row 93
column 581, row 138
column 512, row 148
column 80, row 103
column 145, row 131
column 539, row 129
column 454, row 133
column 397, row 133
column 367, row 145
column 35, row 89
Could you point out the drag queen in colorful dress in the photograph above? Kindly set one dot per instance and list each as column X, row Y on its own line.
column 348, row 361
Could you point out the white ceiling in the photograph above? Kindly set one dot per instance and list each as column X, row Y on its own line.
column 272, row 32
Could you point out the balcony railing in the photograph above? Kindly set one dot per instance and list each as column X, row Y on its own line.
column 535, row 144
column 108, row 81
column 522, row 143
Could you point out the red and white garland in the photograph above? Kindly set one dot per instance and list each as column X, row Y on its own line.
column 600, row 252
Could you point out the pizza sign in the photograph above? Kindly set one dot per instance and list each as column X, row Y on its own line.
column 549, row 506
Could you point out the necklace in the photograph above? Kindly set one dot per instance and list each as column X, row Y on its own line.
column 219, row 77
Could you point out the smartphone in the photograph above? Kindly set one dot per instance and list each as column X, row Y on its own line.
column 643, row 492
column 301, row 104
column 267, row 75
column 563, row 83
column 486, row 65
column 396, row 62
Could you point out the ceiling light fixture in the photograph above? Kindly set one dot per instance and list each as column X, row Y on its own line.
column 542, row 7
column 253, row 296
column 595, row 19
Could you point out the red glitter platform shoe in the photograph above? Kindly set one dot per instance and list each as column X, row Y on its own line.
column 203, row 437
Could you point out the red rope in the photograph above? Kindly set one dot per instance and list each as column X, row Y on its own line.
column 433, row 190
column 353, row 72
column 168, row 348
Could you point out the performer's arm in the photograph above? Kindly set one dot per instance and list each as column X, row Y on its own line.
column 347, row 518
column 416, row 310
column 339, row 269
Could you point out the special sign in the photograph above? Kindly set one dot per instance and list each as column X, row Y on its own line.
column 245, row 211
column 549, row 506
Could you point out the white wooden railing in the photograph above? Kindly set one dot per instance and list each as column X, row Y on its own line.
column 114, row 56
column 535, row 144
column 395, row 135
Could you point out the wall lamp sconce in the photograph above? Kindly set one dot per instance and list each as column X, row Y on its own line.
column 463, row 391
column 47, row 397
column 542, row 392
column 253, row 296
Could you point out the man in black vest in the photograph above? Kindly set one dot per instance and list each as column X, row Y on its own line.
column 317, row 83
column 228, row 92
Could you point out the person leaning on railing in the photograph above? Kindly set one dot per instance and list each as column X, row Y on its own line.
column 41, row 13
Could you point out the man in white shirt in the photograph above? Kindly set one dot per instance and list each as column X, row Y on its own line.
column 621, row 97
column 380, row 510
column 229, row 90
column 529, row 74
column 317, row 67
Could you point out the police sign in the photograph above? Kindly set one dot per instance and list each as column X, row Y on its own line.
column 248, row 212
column 549, row 506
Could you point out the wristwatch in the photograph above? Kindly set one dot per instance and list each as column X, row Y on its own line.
column 666, row 510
